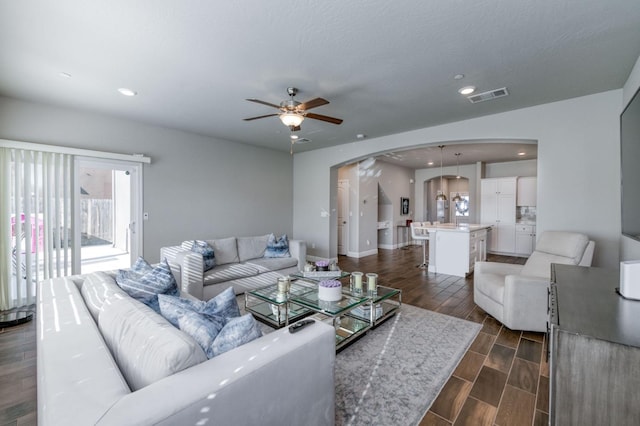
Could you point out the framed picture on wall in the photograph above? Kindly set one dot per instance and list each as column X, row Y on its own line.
column 404, row 206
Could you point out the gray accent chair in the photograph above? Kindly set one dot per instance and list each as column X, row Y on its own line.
column 516, row 295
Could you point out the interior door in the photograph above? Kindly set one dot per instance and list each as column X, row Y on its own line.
column 107, row 214
column 343, row 215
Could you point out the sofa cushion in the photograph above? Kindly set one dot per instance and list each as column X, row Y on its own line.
column 273, row 264
column 226, row 250
column 224, row 305
column 96, row 288
column 146, row 286
column 251, row 247
column 202, row 328
column 208, row 255
column 236, row 332
column 232, row 271
column 277, row 247
column 539, row 264
column 146, row 346
column 215, row 337
column 564, row 244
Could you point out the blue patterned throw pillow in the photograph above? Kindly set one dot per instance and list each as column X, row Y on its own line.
column 277, row 247
column 144, row 282
column 208, row 256
column 236, row 332
column 224, row 306
column 202, row 328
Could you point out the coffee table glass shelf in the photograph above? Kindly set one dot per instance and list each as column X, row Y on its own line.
column 348, row 328
column 386, row 301
column 272, row 307
column 321, row 275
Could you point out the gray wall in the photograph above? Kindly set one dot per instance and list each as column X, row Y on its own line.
column 365, row 180
column 195, row 186
column 630, row 249
column 575, row 138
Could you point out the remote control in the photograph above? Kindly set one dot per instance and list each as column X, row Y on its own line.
column 300, row 325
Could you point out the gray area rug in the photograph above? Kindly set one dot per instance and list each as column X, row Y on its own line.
column 392, row 375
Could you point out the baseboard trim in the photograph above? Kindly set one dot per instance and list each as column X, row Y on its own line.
column 358, row 255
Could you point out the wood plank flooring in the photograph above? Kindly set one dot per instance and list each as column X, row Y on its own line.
column 503, row 378
column 18, row 375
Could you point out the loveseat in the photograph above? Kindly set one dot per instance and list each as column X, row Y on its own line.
column 517, row 295
column 240, row 263
column 105, row 358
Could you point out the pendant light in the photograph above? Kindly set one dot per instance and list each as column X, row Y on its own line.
column 457, row 198
column 441, row 196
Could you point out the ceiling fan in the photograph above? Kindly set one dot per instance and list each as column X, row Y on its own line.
column 292, row 112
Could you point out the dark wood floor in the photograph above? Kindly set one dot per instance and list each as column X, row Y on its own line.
column 503, row 378
column 18, row 375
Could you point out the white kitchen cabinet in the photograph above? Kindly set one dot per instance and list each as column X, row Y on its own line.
column 498, row 208
column 525, row 239
column 454, row 250
column 527, row 191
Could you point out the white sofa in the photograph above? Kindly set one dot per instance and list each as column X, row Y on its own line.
column 240, row 263
column 104, row 358
column 516, row 295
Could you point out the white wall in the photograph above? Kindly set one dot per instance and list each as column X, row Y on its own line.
column 629, row 248
column 195, row 186
column 578, row 139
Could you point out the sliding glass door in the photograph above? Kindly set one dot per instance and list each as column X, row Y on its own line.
column 107, row 214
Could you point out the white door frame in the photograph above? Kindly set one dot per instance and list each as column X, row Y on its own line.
column 136, row 226
column 344, row 215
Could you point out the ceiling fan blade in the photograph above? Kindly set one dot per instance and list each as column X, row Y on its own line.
column 324, row 118
column 260, row 116
column 258, row 101
column 313, row 103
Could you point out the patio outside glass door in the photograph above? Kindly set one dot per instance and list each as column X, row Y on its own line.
column 107, row 214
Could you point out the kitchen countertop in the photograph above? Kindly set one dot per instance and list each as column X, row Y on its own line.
column 452, row 227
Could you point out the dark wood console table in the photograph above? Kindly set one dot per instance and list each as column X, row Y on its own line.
column 594, row 348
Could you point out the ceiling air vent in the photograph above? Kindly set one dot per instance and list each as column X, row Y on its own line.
column 487, row 96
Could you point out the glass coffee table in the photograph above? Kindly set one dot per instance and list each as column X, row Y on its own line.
column 348, row 328
column 386, row 303
column 273, row 308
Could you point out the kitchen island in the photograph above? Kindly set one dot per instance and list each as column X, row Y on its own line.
column 454, row 249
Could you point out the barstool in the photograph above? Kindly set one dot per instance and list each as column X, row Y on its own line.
column 422, row 236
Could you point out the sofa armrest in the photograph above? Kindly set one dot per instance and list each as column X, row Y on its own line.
column 253, row 384
column 298, row 249
column 496, row 268
column 525, row 302
column 190, row 277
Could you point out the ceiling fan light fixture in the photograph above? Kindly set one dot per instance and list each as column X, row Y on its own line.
column 440, row 196
column 457, row 198
column 291, row 119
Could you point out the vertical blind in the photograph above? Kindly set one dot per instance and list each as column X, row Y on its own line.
column 35, row 222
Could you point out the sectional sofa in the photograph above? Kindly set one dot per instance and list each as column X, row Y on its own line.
column 104, row 358
column 240, row 263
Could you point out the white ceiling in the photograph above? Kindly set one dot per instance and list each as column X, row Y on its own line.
column 385, row 66
column 470, row 153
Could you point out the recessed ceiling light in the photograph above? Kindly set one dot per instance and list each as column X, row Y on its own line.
column 361, row 136
column 64, row 74
column 458, row 76
column 294, row 137
column 467, row 90
column 127, row 92
column 430, row 163
column 522, row 153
